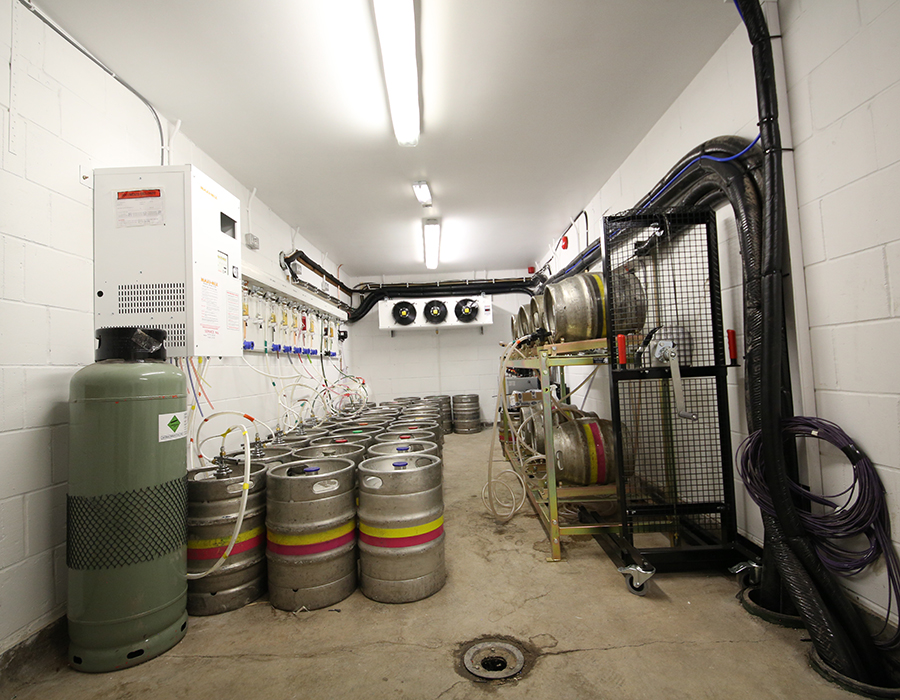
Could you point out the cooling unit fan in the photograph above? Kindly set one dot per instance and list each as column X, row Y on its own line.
column 466, row 310
column 404, row 313
column 435, row 311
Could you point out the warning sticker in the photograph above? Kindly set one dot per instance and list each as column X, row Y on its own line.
column 172, row 426
column 139, row 208
column 232, row 311
column 210, row 313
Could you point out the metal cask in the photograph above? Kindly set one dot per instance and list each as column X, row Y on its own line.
column 585, row 451
column 466, row 413
column 214, row 498
column 311, row 533
column 403, row 447
column 401, row 526
column 332, row 447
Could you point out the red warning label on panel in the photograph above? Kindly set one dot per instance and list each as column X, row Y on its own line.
column 138, row 194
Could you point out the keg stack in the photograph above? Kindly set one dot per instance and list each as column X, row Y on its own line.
column 443, row 402
column 466, row 413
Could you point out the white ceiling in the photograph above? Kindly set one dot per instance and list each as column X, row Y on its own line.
column 528, row 107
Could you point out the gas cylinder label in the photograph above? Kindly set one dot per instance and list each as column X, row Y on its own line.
column 172, row 426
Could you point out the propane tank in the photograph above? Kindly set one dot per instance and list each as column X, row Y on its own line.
column 126, row 505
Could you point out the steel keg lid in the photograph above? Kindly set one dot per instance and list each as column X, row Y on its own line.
column 130, row 344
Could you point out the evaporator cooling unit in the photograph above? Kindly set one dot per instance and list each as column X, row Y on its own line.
column 435, row 313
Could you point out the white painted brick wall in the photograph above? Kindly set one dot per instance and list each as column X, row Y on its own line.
column 885, row 108
column 850, row 141
column 841, row 57
column 855, row 217
column 849, row 289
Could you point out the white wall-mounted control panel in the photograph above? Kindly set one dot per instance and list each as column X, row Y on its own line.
column 167, row 254
column 435, row 312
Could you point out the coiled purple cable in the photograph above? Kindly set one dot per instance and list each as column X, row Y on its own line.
column 843, row 519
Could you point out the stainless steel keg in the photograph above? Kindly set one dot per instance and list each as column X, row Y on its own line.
column 311, row 538
column 214, row 498
column 401, row 524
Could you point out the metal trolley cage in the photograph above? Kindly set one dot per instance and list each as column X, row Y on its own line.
column 669, row 398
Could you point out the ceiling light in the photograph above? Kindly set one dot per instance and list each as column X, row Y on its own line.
column 396, row 24
column 431, row 229
column 422, row 192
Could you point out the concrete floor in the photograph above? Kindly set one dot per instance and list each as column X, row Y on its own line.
column 687, row 638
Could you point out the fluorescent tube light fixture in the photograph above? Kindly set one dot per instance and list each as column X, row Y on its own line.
column 422, row 192
column 431, row 229
column 396, row 24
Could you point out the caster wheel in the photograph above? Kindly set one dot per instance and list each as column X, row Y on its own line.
column 634, row 588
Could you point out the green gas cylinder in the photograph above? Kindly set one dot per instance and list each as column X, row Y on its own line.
column 126, row 507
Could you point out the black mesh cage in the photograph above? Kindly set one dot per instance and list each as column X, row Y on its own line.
column 682, row 484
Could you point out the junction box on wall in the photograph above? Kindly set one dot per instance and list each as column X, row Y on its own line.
column 167, row 254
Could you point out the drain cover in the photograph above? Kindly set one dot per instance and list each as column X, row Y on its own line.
column 493, row 659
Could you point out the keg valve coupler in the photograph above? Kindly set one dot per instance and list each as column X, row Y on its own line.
column 223, row 471
column 257, row 449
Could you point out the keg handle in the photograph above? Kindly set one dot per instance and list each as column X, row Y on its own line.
column 326, row 486
column 666, row 352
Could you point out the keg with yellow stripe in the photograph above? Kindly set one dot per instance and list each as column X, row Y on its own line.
column 401, row 527
column 585, row 451
column 311, row 524
column 214, row 498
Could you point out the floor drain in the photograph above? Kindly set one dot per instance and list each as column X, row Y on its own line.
column 493, row 659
